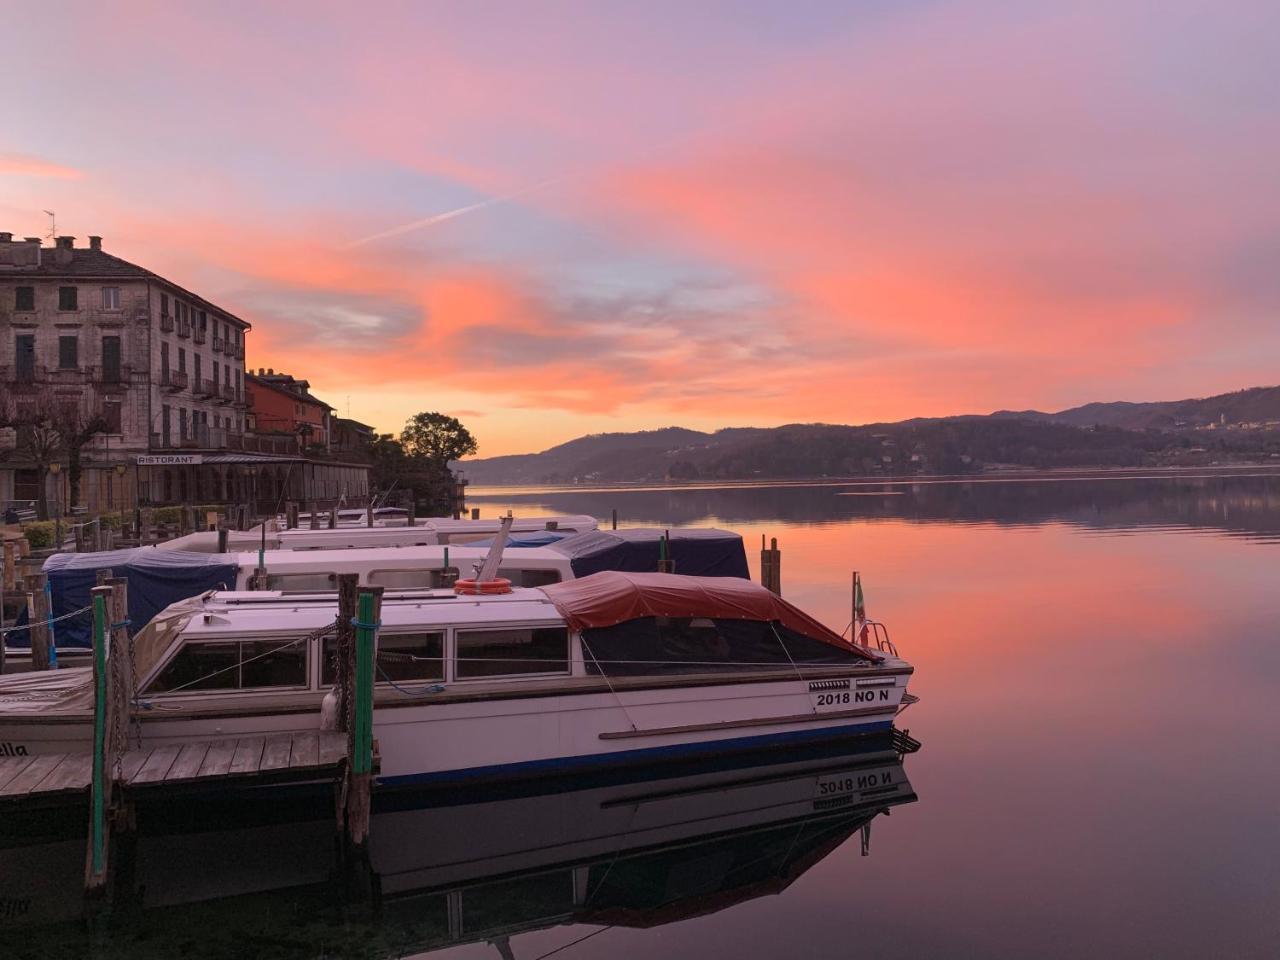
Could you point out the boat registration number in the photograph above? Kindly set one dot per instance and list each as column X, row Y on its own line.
column 838, row 695
column 841, row 784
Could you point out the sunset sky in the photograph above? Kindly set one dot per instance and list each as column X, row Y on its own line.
column 554, row 219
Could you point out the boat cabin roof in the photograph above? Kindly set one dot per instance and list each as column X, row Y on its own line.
column 273, row 612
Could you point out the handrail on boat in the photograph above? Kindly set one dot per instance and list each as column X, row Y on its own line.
column 881, row 634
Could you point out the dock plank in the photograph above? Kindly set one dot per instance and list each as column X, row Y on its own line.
column 248, row 756
column 218, row 760
column 276, row 753
column 333, row 747
column 132, row 762
column 32, row 774
column 10, row 767
column 306, row 750
column 73, row 774
column 157, row 766
column 189, row 761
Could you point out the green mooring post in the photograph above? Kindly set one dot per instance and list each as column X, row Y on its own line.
column 95, row 875
column 360, row 775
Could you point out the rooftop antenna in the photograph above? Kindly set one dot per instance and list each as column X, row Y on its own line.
column 53, row 226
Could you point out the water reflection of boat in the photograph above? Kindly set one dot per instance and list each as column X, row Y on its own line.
column 628, row 853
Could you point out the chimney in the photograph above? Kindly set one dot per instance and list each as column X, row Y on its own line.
column 271, row 372
column 62, row 250
column 6, row 237
column 67, row 243
column 95, row 243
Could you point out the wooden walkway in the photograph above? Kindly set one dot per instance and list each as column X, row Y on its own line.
column 201, row 764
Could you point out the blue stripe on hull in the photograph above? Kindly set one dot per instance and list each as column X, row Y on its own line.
column 633, row 758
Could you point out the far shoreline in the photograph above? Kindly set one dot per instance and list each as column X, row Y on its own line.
column 1004, row 475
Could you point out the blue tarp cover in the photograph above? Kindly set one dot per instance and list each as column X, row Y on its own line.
column 156, row 578
column 538, row 538
column 697, row 551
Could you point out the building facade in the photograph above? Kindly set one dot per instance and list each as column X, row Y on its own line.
column 162, row 366
column 280, row 405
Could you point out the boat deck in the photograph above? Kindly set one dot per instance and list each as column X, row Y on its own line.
column 200, row 764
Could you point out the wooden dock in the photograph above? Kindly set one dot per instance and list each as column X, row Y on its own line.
column 198, row 765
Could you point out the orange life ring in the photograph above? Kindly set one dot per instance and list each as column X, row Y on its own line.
column 483, row 587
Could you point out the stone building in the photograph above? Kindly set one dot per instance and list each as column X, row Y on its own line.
column 161, row 365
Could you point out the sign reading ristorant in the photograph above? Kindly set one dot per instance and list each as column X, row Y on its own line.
column 169, row 459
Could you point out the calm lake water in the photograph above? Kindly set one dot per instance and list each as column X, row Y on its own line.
column 1099, row 674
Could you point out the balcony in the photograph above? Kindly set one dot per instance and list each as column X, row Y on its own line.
column 166, row 323
column 173, row 380
column 237, row 351
column 217, row 344
column 201, row 335
column 204, row 389
column 228, row 394
column 67, row 376
column 25, row 378
column 184, row 329
column 111, row 379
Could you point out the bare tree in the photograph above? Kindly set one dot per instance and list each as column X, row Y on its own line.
column 48, row 426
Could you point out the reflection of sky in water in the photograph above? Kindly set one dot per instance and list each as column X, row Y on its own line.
column 1098, row 715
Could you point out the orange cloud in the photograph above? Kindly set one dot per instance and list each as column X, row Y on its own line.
column 25, row 165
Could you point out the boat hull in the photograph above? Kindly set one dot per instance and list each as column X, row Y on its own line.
column 422, row 740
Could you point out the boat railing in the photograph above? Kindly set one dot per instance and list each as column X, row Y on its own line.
column 877, row 632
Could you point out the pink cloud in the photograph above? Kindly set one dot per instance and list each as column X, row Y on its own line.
column 26, row 165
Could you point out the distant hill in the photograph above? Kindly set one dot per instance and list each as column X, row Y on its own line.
column 1236, row 426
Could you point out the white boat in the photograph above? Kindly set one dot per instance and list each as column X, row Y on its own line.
column 424, row 532
column 612, row 669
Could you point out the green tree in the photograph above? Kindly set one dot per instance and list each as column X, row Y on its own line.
column 436, row 438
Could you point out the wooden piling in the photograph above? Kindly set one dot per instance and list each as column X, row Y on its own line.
column 10, row 566
column 38, row 620
column 314, row 515
column 360, row 736
column 771, row 565
column 95, row 868
column 222, row 539
column 475, row 513
column 368, row 513
column 666, row 563
column 333, row 518
column 615, row 518
column 413, row 511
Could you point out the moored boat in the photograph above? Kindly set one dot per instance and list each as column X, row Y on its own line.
column 613, row 669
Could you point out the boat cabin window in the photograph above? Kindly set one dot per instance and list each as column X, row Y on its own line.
column 512, row 651
column 401, row 656
column 243, row 665
column 665, row 645
column 413, row 579
column 530, row 578
column 301, row 582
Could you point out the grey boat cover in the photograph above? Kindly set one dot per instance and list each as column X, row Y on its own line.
column 697, row 551
column 157, row 578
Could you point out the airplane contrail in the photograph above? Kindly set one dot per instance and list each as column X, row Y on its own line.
column 451, row 214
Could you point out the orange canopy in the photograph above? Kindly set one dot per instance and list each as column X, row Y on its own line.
column 610, row 597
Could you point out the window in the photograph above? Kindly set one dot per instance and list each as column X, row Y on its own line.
column 215, row 375
column 182, row 359
column 110, row 298
column 182, row 423
column 164, row 361
column 518, row 650
column 203, row 320
column 226, row 375
column 164, row 426
column 68, row 352
column 24, row 345
column 24, row 298
column 111, row 359
column 196, row 358
column 111, row 413
column 248, row 665
column 68, row 298
column 401, row 656
column 164, row 305
column 237, row 383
